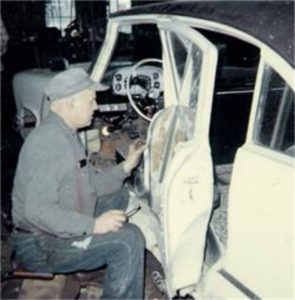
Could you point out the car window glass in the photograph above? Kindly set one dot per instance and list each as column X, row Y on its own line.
column 180, row 48
column 196, row 57
column 182, row 126
column 187, row 58
column 139, row 42
column 185, row 117
column 275, row 117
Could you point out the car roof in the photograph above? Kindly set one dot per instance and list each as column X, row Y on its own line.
column 272, row 22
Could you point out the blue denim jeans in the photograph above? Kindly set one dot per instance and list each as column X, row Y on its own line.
column 122, row 252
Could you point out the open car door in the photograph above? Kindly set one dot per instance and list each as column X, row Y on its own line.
column 178, row 165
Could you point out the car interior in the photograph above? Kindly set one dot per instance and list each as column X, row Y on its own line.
column 136, row 94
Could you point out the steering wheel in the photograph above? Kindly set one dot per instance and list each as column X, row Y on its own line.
column 147, row 100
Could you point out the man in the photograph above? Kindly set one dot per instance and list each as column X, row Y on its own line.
column 60, row 226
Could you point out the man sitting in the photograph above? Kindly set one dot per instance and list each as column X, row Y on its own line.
column 68, row 216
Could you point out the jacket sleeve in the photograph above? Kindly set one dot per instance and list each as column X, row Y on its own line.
column 45, row 161
column 109, row 180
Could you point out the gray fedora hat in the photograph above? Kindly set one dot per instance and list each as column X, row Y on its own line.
column 71, row 82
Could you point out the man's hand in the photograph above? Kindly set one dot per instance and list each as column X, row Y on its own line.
column 134, row 154
column 110, row 221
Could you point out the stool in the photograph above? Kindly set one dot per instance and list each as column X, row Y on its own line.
column 42, row 285
column 19, row 271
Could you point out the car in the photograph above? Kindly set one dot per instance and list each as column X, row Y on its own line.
column 210, row 86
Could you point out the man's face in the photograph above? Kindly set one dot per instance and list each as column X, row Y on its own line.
column 82, row 108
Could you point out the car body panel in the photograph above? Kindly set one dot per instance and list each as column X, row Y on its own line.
column 28, row 87
column 267, row 234
column 179, row 135
column 269, row 175
column 218, row 286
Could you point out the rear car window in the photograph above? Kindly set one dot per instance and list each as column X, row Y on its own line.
column 274, row 124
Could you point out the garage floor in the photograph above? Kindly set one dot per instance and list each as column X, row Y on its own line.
column 74, row 286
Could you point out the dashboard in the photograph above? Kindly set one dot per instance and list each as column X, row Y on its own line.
column 145, row 79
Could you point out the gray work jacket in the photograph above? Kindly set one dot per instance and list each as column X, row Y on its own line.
column 54, row 190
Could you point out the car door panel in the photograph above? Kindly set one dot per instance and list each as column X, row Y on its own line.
column 261, row 197
column 188, row 192
column 180, row 171
column 260, row 235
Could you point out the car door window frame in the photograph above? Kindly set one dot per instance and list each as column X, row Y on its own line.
column 287, row 73
column 202, row 44
column 207, row 75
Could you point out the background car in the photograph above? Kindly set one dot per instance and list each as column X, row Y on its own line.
column 209, row 84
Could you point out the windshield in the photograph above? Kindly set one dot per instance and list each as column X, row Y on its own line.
column 134, row 43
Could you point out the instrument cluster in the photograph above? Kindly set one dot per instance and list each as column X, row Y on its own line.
column 145, row 77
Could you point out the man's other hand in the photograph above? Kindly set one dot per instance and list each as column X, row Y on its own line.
column 110, row 221
column 135, row 151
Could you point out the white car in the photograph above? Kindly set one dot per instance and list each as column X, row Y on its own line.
column 215, row 81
